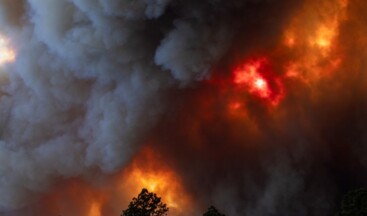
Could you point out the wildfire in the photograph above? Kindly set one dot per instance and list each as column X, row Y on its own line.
column 309, row 52
column 261, row 85
column 148, row 172
column 259, row 80
column 158, row 182
column 314, row 41
column 324, row 37
column 250, row 76
column 7, row 54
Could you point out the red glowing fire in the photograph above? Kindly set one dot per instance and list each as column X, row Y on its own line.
column 258, row 79
column 249, row 75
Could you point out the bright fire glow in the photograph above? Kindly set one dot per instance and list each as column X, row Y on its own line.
column 250, row 76
column 324, row 36
column 148, row 172
column 257, row 78
column 315, row 38
column 157, row 182
column 260, row 84
column 7, row 54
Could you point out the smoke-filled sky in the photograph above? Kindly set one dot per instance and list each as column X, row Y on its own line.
column 258, row 107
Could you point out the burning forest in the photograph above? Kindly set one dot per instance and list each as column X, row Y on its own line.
column 257, row 107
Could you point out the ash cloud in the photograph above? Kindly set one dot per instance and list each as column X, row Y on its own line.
column 94, row 80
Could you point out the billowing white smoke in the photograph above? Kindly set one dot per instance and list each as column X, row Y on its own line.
column 87, row 84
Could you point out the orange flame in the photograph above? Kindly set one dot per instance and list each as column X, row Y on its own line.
column 312, row 34
column 324, row 36
column 148, row 171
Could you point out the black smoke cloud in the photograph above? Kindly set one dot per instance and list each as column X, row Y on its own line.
column 95, row 80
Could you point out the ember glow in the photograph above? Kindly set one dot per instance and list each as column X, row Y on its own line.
column 255, row 107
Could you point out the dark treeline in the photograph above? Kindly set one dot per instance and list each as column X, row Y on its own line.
column 147, row 203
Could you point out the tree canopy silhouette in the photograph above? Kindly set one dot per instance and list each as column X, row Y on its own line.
column 354, row 203
column 212, row 211
column 146, row 204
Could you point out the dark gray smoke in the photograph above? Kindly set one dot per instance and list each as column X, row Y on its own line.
column 88, row 82
column 95, row 80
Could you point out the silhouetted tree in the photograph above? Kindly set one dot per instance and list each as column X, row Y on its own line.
column 354, row 203
column 212, row 211
column 146, row 204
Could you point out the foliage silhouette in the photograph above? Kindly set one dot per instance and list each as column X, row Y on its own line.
column 212, row 211
column 354, row 203
column 146, row 204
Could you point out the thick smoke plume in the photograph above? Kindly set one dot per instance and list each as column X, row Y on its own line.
column 106, row 95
